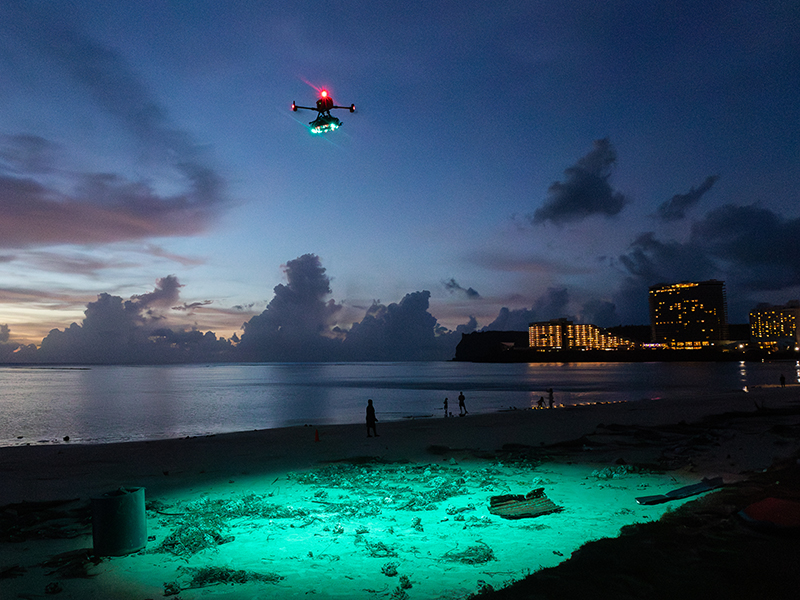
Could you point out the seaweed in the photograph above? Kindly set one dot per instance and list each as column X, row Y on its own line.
column 207, row 576
column 194, row 533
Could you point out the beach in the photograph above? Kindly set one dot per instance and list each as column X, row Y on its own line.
column 328, row 512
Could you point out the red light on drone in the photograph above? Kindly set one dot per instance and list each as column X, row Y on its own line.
column 324, row 93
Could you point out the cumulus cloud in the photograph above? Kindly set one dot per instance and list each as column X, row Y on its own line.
column 126, row 331
column 453, row 287
column 88, row 207
column 585, row 191
column 297, row 322
column 675, row 208
column 550, row 305
column 399, row 331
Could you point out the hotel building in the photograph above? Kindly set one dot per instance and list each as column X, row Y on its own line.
column 775, row 327
column 689, row 315
column 561, row 334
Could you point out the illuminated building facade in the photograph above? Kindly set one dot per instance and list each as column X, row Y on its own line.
column 775, row 327
column 561, row 334
column 689, row 315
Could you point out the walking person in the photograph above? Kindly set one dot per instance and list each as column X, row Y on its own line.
column 462, row 409
column 371, row 419
column 550, row 400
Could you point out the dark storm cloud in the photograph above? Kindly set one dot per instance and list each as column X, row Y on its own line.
column 298, row 325
column 96, row 207
column 675, row 208
column 654, row 261
column 756, row 247
column 586, row 190
column 292, row 326
column 599, row 312
column 401, row 331
column 752, row 249
column 452, row 286
column 550, row 305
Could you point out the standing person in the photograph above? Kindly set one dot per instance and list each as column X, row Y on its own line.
column 371, row 419
column 462, row 409
column 783, row 380
column 445, row 408
column 550, row 400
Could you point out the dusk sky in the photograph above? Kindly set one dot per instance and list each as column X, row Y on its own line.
column 517, row 161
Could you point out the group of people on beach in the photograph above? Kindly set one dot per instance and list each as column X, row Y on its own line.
column 372, row 419
column 550, row 402
column 462, row 408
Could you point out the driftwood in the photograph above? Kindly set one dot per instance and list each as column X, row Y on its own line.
column 532, row 504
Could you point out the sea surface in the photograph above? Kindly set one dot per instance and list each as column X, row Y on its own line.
column 104, row 404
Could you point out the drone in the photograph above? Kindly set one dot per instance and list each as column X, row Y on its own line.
column 324, row 122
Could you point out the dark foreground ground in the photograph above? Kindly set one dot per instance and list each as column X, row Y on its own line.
column 701, row 550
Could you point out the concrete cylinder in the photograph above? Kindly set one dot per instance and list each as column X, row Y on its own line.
column 119, row 526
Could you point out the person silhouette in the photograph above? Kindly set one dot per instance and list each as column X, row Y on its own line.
column 783, row 380
column 371, row 419
column 462, row 409
column 445, row 407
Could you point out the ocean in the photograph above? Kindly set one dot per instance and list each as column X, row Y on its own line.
column 105, row 404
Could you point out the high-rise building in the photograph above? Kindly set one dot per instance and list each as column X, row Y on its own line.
column 775, row 327
column 563, row 334
column 689, row 315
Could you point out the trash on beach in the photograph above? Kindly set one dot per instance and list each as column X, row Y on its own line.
column 532, row 504
column 684, row 492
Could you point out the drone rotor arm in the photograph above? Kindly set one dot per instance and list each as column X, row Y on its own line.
column 296, row 106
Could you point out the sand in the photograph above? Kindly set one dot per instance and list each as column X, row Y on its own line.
column 401, row 515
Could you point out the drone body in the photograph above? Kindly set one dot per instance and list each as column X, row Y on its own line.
column 324, row 122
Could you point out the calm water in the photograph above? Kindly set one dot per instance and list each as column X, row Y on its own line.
column 116, row 403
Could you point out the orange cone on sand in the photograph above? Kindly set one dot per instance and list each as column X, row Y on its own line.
column 316, row 435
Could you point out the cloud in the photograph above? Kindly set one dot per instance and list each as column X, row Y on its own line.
column 585, row 191
column 752, row 249
column 44, row 203
column 654, row 261
column 400, row 331
column 4, row 333
column 25, row 153
column 600, row 312
column 453, row 287
column 295, row 323
column 675, row 208
column 117, row 331
column 754, row 246
column 550, row 305
column 165, row 294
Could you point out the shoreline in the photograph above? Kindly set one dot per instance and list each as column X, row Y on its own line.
column 339, row 518
column 48, row 471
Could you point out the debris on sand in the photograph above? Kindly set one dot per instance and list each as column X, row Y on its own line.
column 532, row 504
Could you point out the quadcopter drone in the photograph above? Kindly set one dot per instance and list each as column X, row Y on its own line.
column 324, row 122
